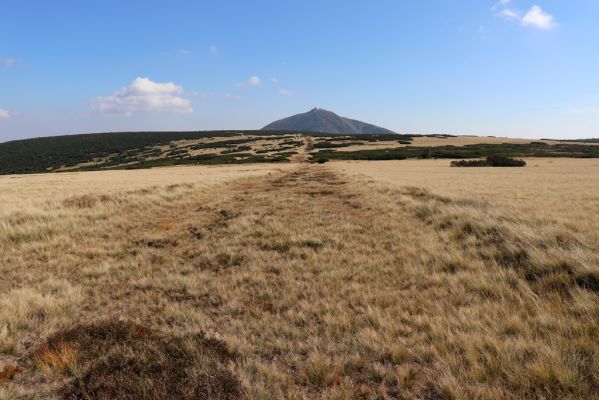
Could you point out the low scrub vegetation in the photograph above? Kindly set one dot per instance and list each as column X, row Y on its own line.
column 468, row 151
column 122, row 360
column 490, row 161
column 140, row 149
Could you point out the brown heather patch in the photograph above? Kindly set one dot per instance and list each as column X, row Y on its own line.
column 122, row 360
column 57, row 357
column 8, row 372
column 361, row 291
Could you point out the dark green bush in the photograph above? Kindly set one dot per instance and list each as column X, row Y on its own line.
column 490, row 161
column 469, row 163
column 504, row 161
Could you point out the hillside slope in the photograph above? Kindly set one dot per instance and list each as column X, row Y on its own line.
column 319, row 120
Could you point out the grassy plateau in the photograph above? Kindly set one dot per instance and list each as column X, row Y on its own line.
column 348, row 280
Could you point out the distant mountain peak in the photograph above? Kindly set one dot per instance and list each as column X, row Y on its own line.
column 321, row 120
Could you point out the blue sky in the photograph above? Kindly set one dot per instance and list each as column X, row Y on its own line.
column 508, row 68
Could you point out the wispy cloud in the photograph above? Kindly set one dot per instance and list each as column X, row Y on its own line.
column 509, row 13
column 185, row 52
column 500, row 4
column 144, row 95
column 274, row 80
column 5, row 114
column 537, row 18
column 534, row 18
column 285, row 92
column 213, row 49
column 254, row 80
column 8, row 62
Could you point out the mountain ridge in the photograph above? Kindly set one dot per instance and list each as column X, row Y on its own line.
column 321, row 120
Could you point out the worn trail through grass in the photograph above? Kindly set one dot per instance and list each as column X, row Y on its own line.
column 303, row 284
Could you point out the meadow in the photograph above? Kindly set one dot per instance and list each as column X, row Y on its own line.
column 349, row 280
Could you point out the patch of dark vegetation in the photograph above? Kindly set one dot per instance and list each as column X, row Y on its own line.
column 221, row 144
column 226, row 260
column 433, row 393
column 591, row 140
column 236, row 150
column 123, row 360
column 517, row 258
column 468, row 151
column 495, row 160
column 363, row 155
column 87, row 200
column 332, row 145
column 294, row 143
column 204, row 159
column 196, row 232
column 439, row 136
column 157, row 243
column 588, row 280
column 117, row 148
column 43, row 154
column 51, row 153
column 177, row 152
column 284, row 154
column 361, row 136
column 8, row 373
column 284, row 148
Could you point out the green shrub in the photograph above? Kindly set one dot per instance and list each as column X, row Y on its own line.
column 504, row 161
column 490, row 161
column 469, row 163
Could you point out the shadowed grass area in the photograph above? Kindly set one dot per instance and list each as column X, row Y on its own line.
column 122, row 360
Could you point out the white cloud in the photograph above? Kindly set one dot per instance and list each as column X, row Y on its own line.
column 274, row 80
column 213, row 49
column 145, row 95
column 509, row 14
column 254, row 81
column 285, row 92
column 5, row 114
column 185, row 52
column 501, row 3
column 538, row 18
column 535, row 17
column 8, row 62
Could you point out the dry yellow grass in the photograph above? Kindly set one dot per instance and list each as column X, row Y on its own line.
column 397, row 280
column 561, row 191
column 18, row 192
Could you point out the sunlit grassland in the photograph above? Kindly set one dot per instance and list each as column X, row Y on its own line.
column 398, row 280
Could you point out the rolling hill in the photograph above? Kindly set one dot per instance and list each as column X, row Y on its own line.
column 320, row 120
